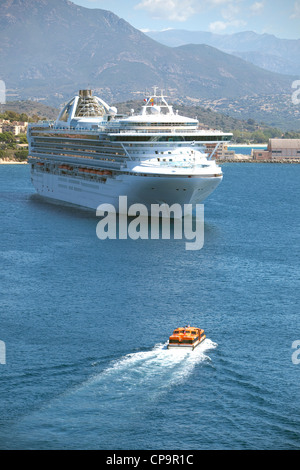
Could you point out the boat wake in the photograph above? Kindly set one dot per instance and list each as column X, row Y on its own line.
column 113, row 399
column 160, row 367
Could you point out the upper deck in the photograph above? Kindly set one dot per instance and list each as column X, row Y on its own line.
column 88, row 115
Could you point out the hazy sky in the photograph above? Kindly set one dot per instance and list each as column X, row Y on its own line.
column 278, row 17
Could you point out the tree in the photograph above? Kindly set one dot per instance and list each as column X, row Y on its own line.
column 259, row 137
column 23, row 117
column 11, row 116
column 7, row 137
column 23, row 139
column 21, row 155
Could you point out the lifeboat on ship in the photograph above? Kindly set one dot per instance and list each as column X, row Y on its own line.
column 186, row 337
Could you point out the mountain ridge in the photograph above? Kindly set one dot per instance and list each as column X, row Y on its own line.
column 264, row 50
column 51, row 48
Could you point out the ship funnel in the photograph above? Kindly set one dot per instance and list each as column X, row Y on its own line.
column 85, row 93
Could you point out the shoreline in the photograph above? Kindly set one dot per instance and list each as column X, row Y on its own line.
column 12, row 162
column 221, row 160
column 248, row 160
column 248, row 145
column 240, row 160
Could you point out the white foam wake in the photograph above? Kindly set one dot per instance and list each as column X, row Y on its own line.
column 156, row 369
column 115, row 397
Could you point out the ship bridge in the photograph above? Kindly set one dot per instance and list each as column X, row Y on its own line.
column 157, row 115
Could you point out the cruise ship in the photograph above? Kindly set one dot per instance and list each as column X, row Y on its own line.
column 92, row 155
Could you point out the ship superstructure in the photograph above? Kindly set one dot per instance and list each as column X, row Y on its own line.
column 91, row 155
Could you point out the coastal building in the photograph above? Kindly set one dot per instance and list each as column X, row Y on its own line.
column 222, row 153
column 279, row 149
column 16, row 127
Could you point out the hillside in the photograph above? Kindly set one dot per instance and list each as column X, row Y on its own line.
column 51, row 48
column 31, row 108
column 264, row 50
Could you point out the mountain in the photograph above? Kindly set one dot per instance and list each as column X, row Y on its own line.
column 51, row 48
column 264, row 50
column 31, row 108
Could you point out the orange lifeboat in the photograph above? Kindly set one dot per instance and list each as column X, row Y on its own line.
column 186, row 337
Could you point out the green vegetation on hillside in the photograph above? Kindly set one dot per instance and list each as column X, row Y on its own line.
column 32, row 109
column 9, row 147
column 20, row 117
column 21, row 111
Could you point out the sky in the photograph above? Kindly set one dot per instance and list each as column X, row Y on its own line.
column 278, row 17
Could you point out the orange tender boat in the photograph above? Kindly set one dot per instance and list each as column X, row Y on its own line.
column 186, row 337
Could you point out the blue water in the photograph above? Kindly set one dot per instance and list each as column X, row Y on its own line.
column 245, row 150
column 85, row 323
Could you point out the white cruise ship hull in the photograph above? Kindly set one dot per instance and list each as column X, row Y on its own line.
column 138, row 189
column 92, row 156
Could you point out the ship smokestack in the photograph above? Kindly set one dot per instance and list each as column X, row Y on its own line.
column 85, row 93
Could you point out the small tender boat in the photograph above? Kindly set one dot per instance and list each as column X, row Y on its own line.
column 186, row 337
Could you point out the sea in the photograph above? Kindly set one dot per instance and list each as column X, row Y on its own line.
column 84, row 323
column 246, row 149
